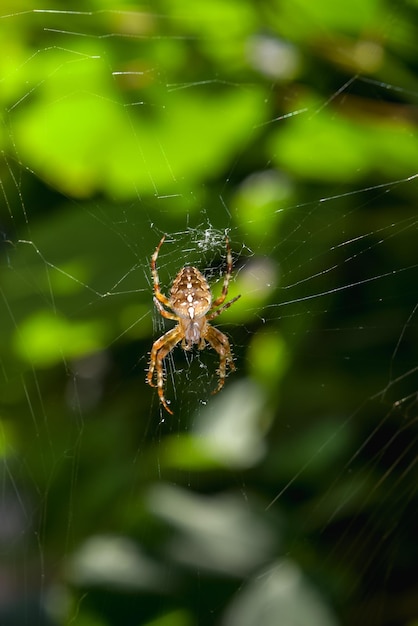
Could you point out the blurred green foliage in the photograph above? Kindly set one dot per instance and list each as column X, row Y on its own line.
column 288, row 498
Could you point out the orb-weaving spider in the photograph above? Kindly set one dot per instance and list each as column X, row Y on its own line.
column 190, row 304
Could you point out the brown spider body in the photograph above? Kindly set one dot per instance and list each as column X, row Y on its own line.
column 190, row 304
column 191, row 300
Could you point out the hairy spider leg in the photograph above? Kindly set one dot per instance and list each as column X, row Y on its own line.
column 168, row 314
column 159, row 351
column 157, row 292
column 219, row 311
column 227, row 278
column 220, row 343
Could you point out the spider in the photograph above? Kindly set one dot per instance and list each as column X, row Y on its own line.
column 190, row 304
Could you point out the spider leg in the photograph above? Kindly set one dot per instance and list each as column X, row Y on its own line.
column 159, row 351
column 164, row 313
column 227, row 278
column 219, row 311
column 157, row 292
column 220, row 343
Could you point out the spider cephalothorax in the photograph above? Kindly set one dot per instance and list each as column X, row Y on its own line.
column 190, row 304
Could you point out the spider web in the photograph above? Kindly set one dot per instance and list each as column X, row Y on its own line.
column 290, row 495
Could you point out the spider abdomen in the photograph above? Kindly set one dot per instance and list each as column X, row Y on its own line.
column 190, row 294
